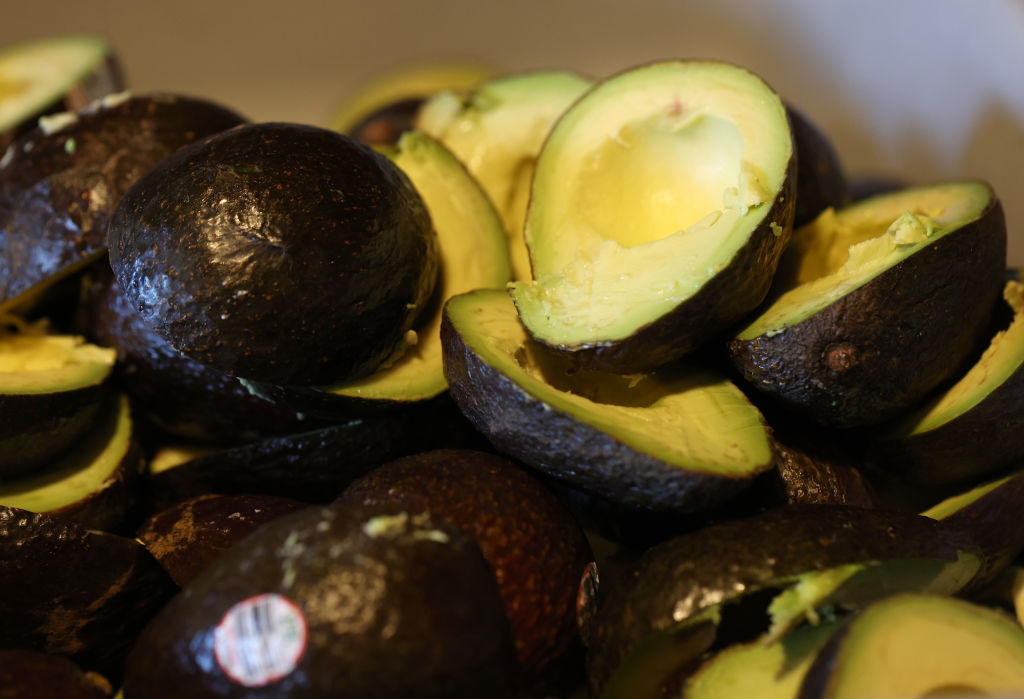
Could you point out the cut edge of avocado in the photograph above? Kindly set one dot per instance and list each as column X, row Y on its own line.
column 32, row 362
column 647, row 189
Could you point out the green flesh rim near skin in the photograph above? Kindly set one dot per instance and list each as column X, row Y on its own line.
column 32, row 363
column 473, row 256
column 647, row 188
column 82, row 472
column 760, row 670
column 698, row 421
column 167, row 458
column 34, row 75
column 1001, row 360
column 843, row 250
column 914, row 645
column 955, row 503
column 498, row 131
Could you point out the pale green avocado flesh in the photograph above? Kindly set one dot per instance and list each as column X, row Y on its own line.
column 80, row 473
column 33, row 362
column 957, row 502
column 920, row 645
column 497, row 131
column 843, row 250
column 646, row 189
column 473, row 255
column 1001, row 360
column 696, row 420
column 760, row 670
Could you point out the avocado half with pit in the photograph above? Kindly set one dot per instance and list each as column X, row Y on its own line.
column 878, row 303
column 685, row 439
column 51, row 391
column 974, row 427
column 659, row 208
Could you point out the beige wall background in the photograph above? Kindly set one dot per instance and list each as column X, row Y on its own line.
column 917, row 89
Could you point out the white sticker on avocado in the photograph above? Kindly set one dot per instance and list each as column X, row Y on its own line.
column 260, row 640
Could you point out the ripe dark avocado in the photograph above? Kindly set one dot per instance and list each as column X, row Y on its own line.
column 820, row 182
column 60, row 182
column 279, row 253
column 878, row 303
column 353, row 602
column 25, row 673
column 920, row 646
column 536, row 549
column 659, row 207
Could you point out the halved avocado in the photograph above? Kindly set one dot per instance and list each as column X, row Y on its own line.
column 820, row 182
column 920, row 645
column 57, row 74
column 497, row 131
column 94, row 483
column 876, row 304
column 973, row 428
column 51, row 388
column 685, row 439
column 659, row 208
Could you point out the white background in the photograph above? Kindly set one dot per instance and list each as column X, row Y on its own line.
column 919, row 89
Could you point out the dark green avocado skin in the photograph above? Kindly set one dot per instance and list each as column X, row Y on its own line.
column 67, row 590
column 58, row 190
column 280, row 253
column 409, row 614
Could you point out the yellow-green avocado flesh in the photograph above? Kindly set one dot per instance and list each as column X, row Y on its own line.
column 647, row 188
column 32, row 362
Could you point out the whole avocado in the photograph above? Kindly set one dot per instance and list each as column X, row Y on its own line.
column 276, row 252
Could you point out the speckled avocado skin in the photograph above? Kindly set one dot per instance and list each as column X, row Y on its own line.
column 280, row 253
column 58, row 189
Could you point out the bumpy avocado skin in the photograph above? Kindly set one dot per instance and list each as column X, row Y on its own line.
column 677, row 579
column 280, row 253
column 75, row 592
column 58, row 189
column 408, row 609
column 880, row 349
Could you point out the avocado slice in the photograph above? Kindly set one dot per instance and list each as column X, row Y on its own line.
column 878, row 303
column 685, row 439
column 659, row 207
column 56, row 74
column 349, row 602
column 497, row 130
column 973, row 428
column 920, row 645
column 94, row 483
column 51, row 389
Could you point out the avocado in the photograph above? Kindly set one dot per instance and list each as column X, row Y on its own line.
column 678, row 598
column 182, row 397
column 920, row 645
column 473, row 255
column 51, row 388
column 820, row 182
column 659, row 208
column 497, row 130
column 25, row 673
column 60, row 182
column 973, row 428
column 280, row 253
column 685, row 439
column 95, row 483
column 804, row 478
column 187, row 537
column 50, row 75
column 76, row 592
column 334, row 602
column 878, row 303
column 536, row 549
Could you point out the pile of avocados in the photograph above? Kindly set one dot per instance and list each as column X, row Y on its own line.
column 534, row 385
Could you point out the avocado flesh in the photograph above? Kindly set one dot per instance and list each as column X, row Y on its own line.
column 473, row 255
column 646, row 189
column 760, row 670
column 842, row 251
column 955, row 503
column 694, row 420
column 919, row 645
column 34, row 363
column 498, row 131
column 83, row 472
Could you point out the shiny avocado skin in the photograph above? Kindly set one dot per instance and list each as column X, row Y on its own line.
column 58, row 189
column 280, row 253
